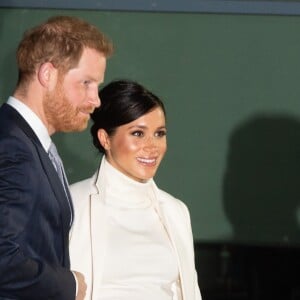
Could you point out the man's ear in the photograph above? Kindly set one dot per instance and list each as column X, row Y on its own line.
column 103, row 139
column 47, row 75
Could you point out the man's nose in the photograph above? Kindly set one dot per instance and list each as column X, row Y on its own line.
column 94, row 98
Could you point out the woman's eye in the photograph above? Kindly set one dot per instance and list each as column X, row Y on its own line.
column 137, row 133
column 161, row 133
column 86, row 82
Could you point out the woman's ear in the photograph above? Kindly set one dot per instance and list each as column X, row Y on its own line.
column 103, row 138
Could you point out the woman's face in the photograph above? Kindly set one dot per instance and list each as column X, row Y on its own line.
column 137, row 148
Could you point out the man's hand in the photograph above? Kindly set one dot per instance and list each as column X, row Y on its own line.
column 81, row 286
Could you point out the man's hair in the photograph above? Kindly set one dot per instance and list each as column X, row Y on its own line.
column 61, row 41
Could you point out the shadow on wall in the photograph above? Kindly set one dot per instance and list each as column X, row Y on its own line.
column 261, row 187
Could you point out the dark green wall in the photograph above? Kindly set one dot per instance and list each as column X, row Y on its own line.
column 231, row 88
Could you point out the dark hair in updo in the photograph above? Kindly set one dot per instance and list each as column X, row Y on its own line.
column 122, row 102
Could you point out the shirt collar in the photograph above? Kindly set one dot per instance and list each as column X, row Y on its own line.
column 33, row 120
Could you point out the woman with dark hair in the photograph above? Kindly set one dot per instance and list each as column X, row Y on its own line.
column 130, row 239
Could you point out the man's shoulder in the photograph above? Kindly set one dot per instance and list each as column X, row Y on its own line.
column 12, row 124
column 6, row 113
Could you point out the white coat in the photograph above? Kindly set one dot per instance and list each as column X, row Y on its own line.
column 88, row 233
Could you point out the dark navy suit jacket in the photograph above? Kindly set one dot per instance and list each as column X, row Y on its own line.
column 34, row 217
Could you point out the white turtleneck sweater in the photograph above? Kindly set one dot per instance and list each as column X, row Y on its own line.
column 139, row 260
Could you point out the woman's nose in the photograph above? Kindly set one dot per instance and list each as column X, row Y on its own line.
column 151, row 142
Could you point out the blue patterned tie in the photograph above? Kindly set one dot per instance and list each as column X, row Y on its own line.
column 58, row 165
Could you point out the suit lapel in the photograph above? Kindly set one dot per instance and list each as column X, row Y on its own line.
column 57, row 187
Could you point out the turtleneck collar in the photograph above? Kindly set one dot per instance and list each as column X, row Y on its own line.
column 123, row 191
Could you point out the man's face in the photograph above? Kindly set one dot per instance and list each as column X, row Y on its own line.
column 69, row 105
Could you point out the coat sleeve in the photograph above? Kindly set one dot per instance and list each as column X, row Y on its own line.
column 24, row 274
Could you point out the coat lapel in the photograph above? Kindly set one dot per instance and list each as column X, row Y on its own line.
column 98, row 228
column 172, row 220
